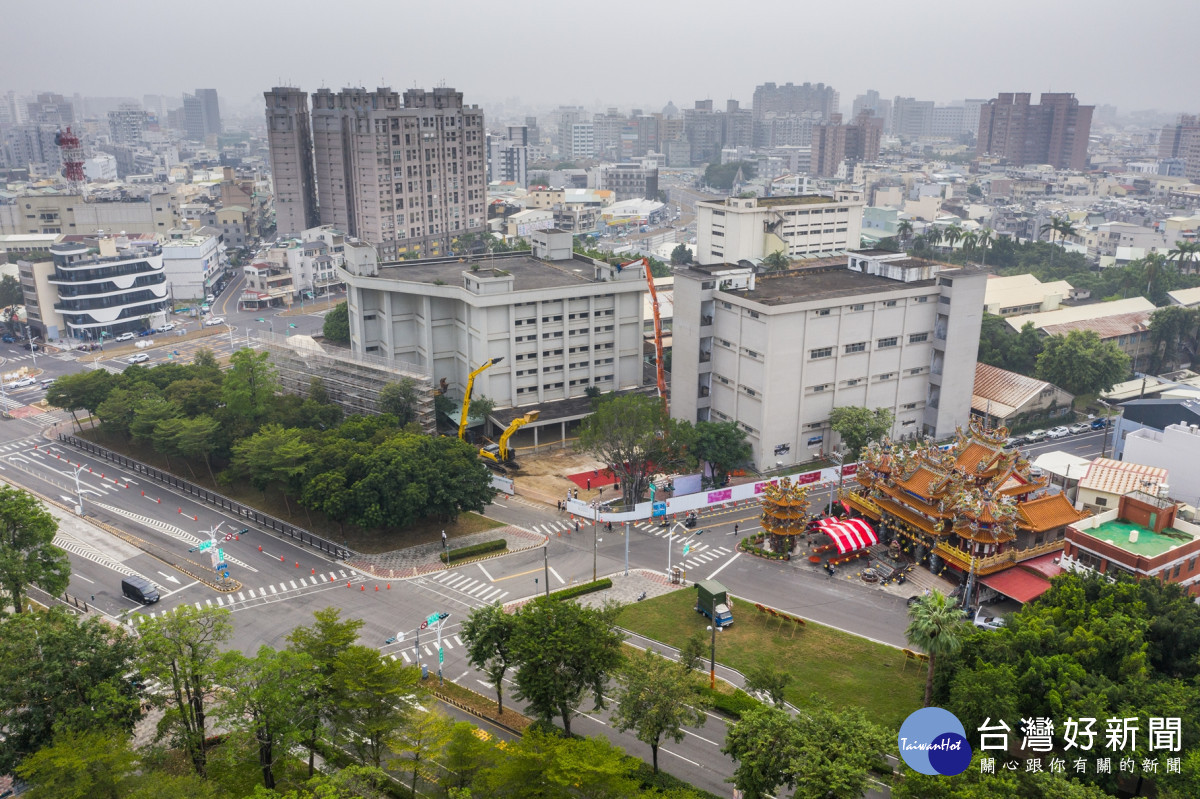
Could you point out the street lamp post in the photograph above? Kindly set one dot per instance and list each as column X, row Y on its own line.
column 712, row 655
column 546, row 565
column 1107, row 424
column 838, row 456
column 78, row 489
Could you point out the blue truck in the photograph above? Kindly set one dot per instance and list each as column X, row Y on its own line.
column 713, row 601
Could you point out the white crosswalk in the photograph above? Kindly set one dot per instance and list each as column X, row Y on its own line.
column 471, row 586
column 83, row 550
column 171, row 530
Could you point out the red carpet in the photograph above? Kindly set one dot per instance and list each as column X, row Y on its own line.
column 602, row 478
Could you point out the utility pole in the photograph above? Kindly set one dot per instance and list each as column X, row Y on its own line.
column 712, row 659
column 78, row 490
column 546, row 565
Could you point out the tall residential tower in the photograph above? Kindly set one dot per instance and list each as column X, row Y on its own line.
column 290, row 139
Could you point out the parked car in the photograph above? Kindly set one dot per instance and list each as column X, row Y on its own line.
column 1059, row 432
column 1079, row 427
column 210, row 299
column 32, row 346
column 1034, row 436
column 1013, row 442
column 127, row 336
column 24, row 381
column 8, row 339
column 148, row 331
column 141, row 357
column 216, row 320
column 168, row 326
column 985, row 621
column 1099, row 424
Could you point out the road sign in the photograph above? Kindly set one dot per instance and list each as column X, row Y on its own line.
column 205, row 546
column 686, row 548
column 433, row 618
column 441, row 655
column 424, row 624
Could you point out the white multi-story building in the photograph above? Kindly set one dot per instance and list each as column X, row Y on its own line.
column 745, row 229
column 122, row 289
column 192, row 263
column 562, row 323
column 1174, row 449
column 776, row 353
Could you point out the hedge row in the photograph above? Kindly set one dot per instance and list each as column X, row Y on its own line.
column 732, row 705
column 580, row 590
column 763, row 553
column 456, row 555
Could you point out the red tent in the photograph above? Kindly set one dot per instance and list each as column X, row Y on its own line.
column 848, row 535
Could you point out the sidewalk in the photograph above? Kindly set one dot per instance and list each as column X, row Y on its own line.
column 403, row 564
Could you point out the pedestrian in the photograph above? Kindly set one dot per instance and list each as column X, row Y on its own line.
column 595, row 472
column 443, row 539
column 577, row 526
column 589, row 484
column 610, row 527
column 735, row 528
column 577, row 493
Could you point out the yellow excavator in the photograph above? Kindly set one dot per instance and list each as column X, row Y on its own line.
column 466, row 406
column 499, row 454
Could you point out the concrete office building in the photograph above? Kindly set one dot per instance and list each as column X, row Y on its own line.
column 912, row 118
column 737, row 229
column 792, row 99
column 1053, row 132
column 201, row 114
column 508, row 156
column 630, row 181
column 289, row 138
column 192, row 263
column 406, row 173
column 561, row 322
column 127, row 125
column 776, row 353
column 69, row 214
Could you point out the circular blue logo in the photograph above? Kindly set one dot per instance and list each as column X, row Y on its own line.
column 933, row 741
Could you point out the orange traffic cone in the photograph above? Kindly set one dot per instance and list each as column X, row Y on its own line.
column 376, row 588
column 389, row 586
column 362, row 588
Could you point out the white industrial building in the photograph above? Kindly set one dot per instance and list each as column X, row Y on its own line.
column 777, row 352
column 751, row 228
column 562, row 323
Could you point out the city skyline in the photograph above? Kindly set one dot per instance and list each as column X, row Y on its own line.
column 924, row 53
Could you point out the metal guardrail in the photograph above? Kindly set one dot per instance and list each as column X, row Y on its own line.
column 213, row 498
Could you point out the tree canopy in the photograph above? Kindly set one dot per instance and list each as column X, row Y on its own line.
column 857, row 426
column 337, row 324
column 27, row 551
column 721, row 176
column 1081, row 362
column 722, row 445
column 633, row 436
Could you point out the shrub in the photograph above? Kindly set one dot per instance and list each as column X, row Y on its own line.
column 580, row 590
column 732, row 705
column 456, row 555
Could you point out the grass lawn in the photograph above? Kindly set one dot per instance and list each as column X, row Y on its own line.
column 369, row 542
column 844, row 670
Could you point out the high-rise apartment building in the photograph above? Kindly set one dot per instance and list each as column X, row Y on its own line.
column 1182, row 141
column 405, row 173
column 508, row 156
column 201, row 114
column 51, row 109
column 833, row 143
column 912, row 118
column 1053, row 132
column 127, row 125
column 792, row 99
column 873, row 104
column 289, row 137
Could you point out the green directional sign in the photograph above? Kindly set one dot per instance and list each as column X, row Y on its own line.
column 441, row 655
column 205, row 546
column 686, row 548
column 433, row 618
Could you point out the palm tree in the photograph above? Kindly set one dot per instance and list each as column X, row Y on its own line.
column 934, row 236
column 904, row 230
column 1155, row 269
column 776, row 261
column 984, row 240
column 1185, row 251
column 936, row 628
column 953, row 235
column 969, row 240
column 1060, row 225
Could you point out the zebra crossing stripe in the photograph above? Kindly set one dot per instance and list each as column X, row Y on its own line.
column 324, row 579
column 407, row 659
column 241, row 597
column 459, row 641
column 293, row 582
column 208, row 602
column 273, row 591
column 446, row 643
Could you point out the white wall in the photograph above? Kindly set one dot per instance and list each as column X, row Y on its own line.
column 1174, row 449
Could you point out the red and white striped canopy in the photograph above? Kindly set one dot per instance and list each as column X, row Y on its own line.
column 848, row 535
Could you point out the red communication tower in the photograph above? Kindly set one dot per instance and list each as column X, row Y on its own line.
column 72, row 158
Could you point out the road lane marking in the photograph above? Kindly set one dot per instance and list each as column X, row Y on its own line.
column 722, row 566
column 241, row 597
column 485, row 572
column 518, row 574
column 293, row 582
column 273, row 591
column 561, row 581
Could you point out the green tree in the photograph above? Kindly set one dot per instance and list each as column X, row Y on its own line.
column 10, row 291
column 116, row 412
column 148, row 413
column 1171, row 328
column 983, row 242
column 78, row 683
column 765, row 743
column 197, row 438
column 542, row 765
column 1185, row 254
column 838, row 752
column 904, row 229
column 27, row 551
column 693, row 651
column 654, row 702
column 323, row 643
column 481, row 407
column 465, row 755
column 856, row 426
column 764, row 679
column 181, row 651
column 250, row 386
column 633, row 436
column 87, row 765
column 682, row 254
column 81, row 391
column 274, row 454
column 1003, row 784
column 401, row 400
column 776, row 261
column 422, row 739
column 260, row 699
column 337, row 324
column 936, row 628
column 564, row 650
column 722, row 445
column 721, row 176
column 373, row 700
column 1023, row 357
column 488, row 632
column 1081, row 363
column 194, row 395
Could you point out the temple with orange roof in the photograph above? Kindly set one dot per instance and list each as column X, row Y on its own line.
column 970, row 507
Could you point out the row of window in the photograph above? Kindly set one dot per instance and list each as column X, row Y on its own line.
column 551, row 386
column 880, row 378
column 861, row 346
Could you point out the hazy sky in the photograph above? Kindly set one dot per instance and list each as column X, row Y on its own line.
column 1134, row 55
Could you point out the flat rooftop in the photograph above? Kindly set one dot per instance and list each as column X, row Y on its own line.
column 527, row 272
column 819, row 279
column 1149, row 544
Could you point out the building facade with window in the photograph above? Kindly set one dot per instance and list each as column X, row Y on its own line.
column 776, row 353
column 748, row 228
column 561, row 322
column 121, row 290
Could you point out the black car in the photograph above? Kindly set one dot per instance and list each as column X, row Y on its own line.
column 31, row 346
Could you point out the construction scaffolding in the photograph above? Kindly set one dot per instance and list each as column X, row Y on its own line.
column 351, row 380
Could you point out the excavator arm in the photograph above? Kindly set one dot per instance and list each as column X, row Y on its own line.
column 466, row 406
column 516, row 425
column 658, row 337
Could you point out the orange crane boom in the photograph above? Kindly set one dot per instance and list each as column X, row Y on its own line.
column 658, row 345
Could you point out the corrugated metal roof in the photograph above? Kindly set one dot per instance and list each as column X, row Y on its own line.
column 1120, row 477
column 1006, row 389
column 1106, row 327
column 1076, row 313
